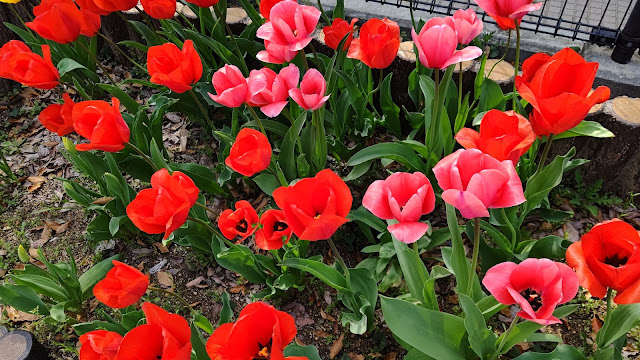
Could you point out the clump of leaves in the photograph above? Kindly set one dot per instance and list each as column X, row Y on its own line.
column 587, row 196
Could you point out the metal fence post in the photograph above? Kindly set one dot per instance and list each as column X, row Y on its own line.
column 629, row 39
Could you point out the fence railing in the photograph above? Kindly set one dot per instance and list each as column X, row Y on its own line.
column 595, row 21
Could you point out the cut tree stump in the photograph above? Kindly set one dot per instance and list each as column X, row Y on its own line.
column 614, row 160
column 20, row 345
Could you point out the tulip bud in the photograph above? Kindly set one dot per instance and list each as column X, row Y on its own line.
column 23, row 254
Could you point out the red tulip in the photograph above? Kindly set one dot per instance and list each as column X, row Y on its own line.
column 18, row 63
column 99, row 345
column 243, row 221
column 272, row 94
column 266, row 6
column 474, row 182
column 378, row 43
column 466, row 24
column 608, row 256
column 503, row 135
column 90, row 23
column 114, row 5
column 232, row 87
column 334, row 34
column 57, row 118
column 437, row 43
column 123, row 286
column 165, row 207
column 102, row 124
column 537, row 286
column 159, row 9
column 203, row 3
column 403, row 197
column 288, row 31
column 91, row 5
column 250, row 153
column 261, row 332
column 559, row 89
column 507, row 12
column 165, row 336
column 274, row 231
column 57, row 20
column 175, row 69
column 311, row 94
column 315, row 207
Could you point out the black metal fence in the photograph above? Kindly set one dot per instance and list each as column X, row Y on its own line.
column 596, row 21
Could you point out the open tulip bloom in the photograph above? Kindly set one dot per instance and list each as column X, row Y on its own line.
column 507, row 12
column 437, row 43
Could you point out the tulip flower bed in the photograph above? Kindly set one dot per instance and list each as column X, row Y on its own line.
column 407, row 230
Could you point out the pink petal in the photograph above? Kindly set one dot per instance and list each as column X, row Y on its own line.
column 496, row 280
column 468, row 204
column 523, row 10
column 466, row 54
column 408, row 232
column 375, row 200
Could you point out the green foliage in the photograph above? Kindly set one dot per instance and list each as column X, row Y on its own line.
column 587, row 196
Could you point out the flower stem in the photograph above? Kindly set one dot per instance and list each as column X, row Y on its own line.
column 460, row 89
column 70, row 86
column 17, row 14
column 506, row 333
column 474, row 257
column 144, row 156
column 545, row 152
column 202, row 109
column 511, row 229
column 609, row 298
column 212, row 229
column 178, row 297
column 95, row 58
column 207, row 208
column 416, row 251
column 324, row 14
column 304, row 59
column 340, row 261
column 232, row 38
column 257, row 118
column 124, row 53
column 506, row 50
column 430, row 132
column 516, row 65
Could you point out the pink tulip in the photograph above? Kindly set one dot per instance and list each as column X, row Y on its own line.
column 288, row 31
column 536, row 285
column 233, row 89
column 403, row 197
column 507, row 12
column 437, row 45
column 275, row 96
column 474, row 182
column 466, row 24
column 310, row 95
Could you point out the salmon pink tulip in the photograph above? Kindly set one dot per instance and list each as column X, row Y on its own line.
column 123, row 286
column 102, row 124
column 311, row 94
column 437, row 43
column 403, row 197
column 507, row 12
column 231, row 86
column 165, row 206
column 274, row 231
column 288, row 31
column 99, row 345
column 315, row 207
column 339, row 28
column 176, row 69
column 537, row 286
column 243, row 221
column 159, row 9
column 503, row 135
column 608, row 256
column 273, row 97
column 261, row 332
column 250, row 153
column 466, row 24
column 378, row 43
column 57, row 118
column 559, row 89
column 19, row 63
column 165, row 336
column 474, row 182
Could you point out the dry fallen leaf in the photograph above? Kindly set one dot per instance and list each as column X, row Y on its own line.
column 33, row 252
column 198, row 282
column 58, row 228
column 16, row 315
column 44, row 237
column 596, row 325
column 165, row 279
column 336, row 347
column 390, row 356
column 354, row 356
column 326, row 316
column 236, row 289
column 102, row 201
column 36, row 182
column 160, row 246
